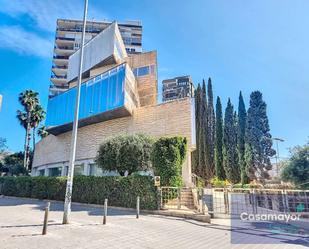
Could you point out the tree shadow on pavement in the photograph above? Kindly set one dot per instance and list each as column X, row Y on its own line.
column 57, row 206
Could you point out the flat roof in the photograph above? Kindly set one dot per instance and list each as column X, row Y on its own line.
column 126, row 23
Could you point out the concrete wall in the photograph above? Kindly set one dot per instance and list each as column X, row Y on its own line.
column 168, row 119
column 103, row 46
column 147, row 85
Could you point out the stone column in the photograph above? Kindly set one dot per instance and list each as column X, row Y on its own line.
column 46, row 171
column 63, row 170
column 186, row 170
column 86, row 169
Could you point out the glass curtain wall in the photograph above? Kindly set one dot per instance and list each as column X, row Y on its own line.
column 103, row 93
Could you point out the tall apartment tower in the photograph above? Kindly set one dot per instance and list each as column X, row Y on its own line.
column 68, row 40
column 177, row 88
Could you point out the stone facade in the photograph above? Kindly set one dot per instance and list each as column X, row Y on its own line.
column 147, row 85
column 97, row 123
column 167, row 119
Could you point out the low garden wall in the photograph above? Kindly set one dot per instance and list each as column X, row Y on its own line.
column 120, row 191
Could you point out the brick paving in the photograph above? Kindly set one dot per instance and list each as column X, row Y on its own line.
column 21, row 227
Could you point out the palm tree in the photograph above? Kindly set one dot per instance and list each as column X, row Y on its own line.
column 28, row 99
column 37, row 116
column 42, row 132
column 22, row 117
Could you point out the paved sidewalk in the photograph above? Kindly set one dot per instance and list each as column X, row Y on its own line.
column 21, row 227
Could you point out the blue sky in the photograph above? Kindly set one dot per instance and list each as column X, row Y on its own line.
column 242, row 45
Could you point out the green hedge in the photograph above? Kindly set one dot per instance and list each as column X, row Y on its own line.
column 120, row 191
column 168, row 155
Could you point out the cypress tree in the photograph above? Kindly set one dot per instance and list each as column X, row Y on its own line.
column 219, row 141
column 210, row 131
column 199, row 132
column 201, row 122
column 258, row 148
column 203, row 135
column 241, row 128
column 230, row 145
column 196, row 166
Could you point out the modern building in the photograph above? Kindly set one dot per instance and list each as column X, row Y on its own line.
column 177, row 88
column 68, row 40
column 118, row 96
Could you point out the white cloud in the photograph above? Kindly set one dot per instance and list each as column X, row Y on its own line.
column 46, row 12
column 17, row 39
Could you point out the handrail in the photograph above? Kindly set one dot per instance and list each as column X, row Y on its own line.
column 65, row 38
column 195, row 179
column 60, row 57
column 60, row 67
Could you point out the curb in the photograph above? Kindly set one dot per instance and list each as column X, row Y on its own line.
column 179, row 214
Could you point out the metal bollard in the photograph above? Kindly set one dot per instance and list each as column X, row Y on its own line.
column 160, row 202
column 178, row 198
column 203, row 204
column 137, row 207
column 46, row 219
column 105, row 212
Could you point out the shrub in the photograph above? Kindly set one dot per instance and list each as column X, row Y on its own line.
column 168, row 156
column 297, row 167
column 217, row 183
column 129, row 153
column 13, row 164
column 120, row 191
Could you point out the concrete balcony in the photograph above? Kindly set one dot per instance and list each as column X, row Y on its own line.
column 107, row 96
column 59, row 70
column 64, row 41
column 60, row 60
column 58, row 80
column 64, row 51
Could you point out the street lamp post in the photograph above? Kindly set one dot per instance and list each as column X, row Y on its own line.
column 68, row 193
column 277, row 152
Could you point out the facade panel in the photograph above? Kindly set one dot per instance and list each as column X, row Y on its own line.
column 103, row 93
column 68, row 39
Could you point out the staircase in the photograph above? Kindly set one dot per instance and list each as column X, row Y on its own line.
column 185, row 199
column 180, row 202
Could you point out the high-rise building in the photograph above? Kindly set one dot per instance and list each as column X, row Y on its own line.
column 118, row 96
column 68, row 40
column 177, row 88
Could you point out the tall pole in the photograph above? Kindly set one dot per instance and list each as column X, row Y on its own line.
column 68, row 193
column 277, row 152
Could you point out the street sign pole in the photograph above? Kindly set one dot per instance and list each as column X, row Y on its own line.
column 68, row 193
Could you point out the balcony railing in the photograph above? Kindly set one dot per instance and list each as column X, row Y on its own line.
column 88, row 30
column 65, row 38
column 58, row 77
column 58, row 87
column 60, row 67
column 64, row 47
column 61, row 57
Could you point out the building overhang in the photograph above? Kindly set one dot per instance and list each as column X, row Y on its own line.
column 112, row 94
column 104, row 116
column 104, row 49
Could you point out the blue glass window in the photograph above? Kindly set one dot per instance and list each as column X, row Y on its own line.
column 143, row 71
column 103, row 94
